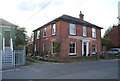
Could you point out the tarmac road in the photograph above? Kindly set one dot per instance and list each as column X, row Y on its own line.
column 102, row 69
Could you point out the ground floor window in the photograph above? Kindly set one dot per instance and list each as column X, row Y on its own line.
column 36, row 51
column 44, row 47
column 53, row 47
column 36, row 47
column 94, row 48
column 72, row 48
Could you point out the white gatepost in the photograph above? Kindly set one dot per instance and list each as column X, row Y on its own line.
column 14, row 58
column 24, row 56
column 11, row 44
column 3, row 43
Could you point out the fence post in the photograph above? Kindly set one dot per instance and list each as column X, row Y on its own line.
column 24, row 57
column 14, row 58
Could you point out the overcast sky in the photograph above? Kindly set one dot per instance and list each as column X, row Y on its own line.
column 35, row 13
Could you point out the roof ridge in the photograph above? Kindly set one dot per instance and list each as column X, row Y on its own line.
column 70, row 19
column 6, row 23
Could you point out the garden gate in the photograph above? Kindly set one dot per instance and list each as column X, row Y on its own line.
column 12, row 58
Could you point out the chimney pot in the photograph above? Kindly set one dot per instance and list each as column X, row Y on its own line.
column 81, row 16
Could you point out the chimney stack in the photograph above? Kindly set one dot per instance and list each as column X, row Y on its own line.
column 81, row 16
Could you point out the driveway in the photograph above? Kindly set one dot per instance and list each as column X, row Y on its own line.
column 102, row 69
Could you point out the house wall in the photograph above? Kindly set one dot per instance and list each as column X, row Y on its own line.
column 2, row 35
column 114, row 35
column 62, row 35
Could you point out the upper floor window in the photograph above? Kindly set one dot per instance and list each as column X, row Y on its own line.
column 38, row 34
column 32, row 37
column 72, row 29
column 84, row 31
column 93, row 32
column 44, row 32
column 53, row 29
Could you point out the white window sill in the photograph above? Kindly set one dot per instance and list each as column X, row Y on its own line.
column 72, row 54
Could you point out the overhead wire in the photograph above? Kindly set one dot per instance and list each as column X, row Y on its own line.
column 39, row 10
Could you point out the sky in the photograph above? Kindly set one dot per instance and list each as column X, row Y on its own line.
column 32, row 14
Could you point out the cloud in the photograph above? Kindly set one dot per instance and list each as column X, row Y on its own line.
column 100, row 12
column 31, row 5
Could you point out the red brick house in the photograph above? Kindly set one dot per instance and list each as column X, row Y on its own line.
column 76, row 36
column 114, row 35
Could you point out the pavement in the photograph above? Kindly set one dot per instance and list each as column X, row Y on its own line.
column 102, row 69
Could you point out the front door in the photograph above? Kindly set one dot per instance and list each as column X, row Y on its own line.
column 85, row 47
column 85, row 50
column 7, row 38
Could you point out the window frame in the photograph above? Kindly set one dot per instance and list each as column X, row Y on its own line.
column 44, row 47
column 53, row 47
column 84, row 31
column 72, row 28
column 72, row 47
column 94, row 32
column 94, row 45
column 38, row 34
column 53, row 29
column 44, row 32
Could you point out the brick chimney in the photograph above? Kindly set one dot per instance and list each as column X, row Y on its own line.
column 81, row 16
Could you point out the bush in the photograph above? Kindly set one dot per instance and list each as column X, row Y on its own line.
column 101, row 56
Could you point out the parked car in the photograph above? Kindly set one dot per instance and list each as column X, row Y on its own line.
column 114, row 51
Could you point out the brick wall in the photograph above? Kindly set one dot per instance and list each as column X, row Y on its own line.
column 62, row 35
column 114, row 35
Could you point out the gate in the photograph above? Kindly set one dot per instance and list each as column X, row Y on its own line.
column 12, row 58
column 7, row 59
column 19, row 57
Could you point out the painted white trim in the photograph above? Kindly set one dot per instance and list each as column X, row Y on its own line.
column 54, row 29
column 82, row 38
column 11, row 44
column 94, row 32
column 38, row 34
column 87, row 47
column 3, row 43
column 72, row 27
column 84, row 31
column 75, row 49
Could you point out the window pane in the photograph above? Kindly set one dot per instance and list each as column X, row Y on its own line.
column 53, row 29
column 72, row 29
column 94, row 32
column 72, row 47
column 44, row 32
column 38, row 34
column 73, row 44
column 84, row 31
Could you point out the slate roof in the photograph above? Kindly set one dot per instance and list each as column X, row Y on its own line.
column 70, row 19
column 6, row 23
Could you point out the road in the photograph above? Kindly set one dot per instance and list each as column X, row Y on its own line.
column 102, row 69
